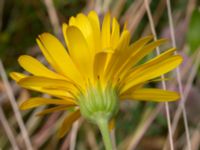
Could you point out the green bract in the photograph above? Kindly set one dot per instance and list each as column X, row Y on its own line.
column 98, row 102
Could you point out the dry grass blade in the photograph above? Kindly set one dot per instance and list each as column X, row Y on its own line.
column 53, row 16
column 140, row 9
column 8, row 130
column 46, row 131
column 156, row 16
column 91, row 138
column 181, row 106
column 118, row 7
column 163, row 82
column 15, row 108
column 106, row 5
column 133, row 9
column 112, row 135
column 73, row 135
column 147, row 119
column 195, row 139
column 186, row 92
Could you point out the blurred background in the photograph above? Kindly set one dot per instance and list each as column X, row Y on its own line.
column 139, row 125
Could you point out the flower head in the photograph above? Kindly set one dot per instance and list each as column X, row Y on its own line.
column 98, row 70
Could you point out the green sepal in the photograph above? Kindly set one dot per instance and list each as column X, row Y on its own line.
column 99, row 102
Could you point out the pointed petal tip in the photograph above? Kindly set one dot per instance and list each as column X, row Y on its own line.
column 179, row 59
column 176, row 96
column 23, row 106
column 17, row 76
column 64, row 24
column 60, row 134
column 23, row 58
column 21, row 81
column 163, row 40
column 92, row 12
column 64, row 27
column 12, row 75
column 45, row 35
column 107, row 14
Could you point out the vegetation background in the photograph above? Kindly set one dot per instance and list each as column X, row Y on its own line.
column 139, row 125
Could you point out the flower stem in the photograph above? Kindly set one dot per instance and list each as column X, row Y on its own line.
column 103, row 126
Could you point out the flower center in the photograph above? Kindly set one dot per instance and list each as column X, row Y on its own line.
column 98, row 102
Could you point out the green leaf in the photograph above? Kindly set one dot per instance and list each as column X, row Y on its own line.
column 193, row 36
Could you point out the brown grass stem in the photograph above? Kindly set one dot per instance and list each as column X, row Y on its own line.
column 163, row 82
column 8, row 130
column 181, row 106
column 15, row 107
column 148, row 117
column 53, row 16
column 73, row 135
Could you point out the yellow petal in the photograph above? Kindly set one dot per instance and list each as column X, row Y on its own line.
column 126, row 57
column 64, row 30
column 39, row 101
column 151, row 94
column 105, row 36
column 123, row 41
column 166, row 55
column 122, row 58
column 93, row 17
column 58, row 57
column 151, row 69
column 17, row 76
column 79, row 51
column 84, row 25
column 67, row 123
column 41, row 84
column 162, row 56
column 137, row 70
column 72, row 21
column 129, row 90
column 115, row 33
column 54, row 109
column 100, row 62
column 94, row 21
column 111, row 66
column 125, row 25
column 146, row 50
column 33, row 66
column 141, row 53
column 140, row 85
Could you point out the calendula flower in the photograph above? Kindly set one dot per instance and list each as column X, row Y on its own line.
column 98, row 70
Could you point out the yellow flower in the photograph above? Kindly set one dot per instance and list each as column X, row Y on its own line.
column 99, row 69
